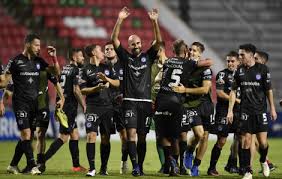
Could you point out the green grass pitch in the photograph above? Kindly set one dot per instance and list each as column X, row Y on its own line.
column 59, row 166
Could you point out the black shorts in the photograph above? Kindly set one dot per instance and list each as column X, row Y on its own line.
column 253, row 123
column 25, row 112
column 206, row 115
column 188, row 116
column 222, row 127
column 119, row 123
column 168, row 117
column 43, row 118
column 71, row 112
column 101, row 117
column 137, row 115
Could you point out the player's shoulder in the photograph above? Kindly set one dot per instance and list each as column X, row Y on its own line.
column 260, row 66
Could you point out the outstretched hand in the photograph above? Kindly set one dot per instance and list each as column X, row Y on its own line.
column 51, row 51
column 124, row 13
column 154, row 14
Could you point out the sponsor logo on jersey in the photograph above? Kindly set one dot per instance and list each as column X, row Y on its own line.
column 121, row 71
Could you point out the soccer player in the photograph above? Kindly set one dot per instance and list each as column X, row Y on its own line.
column 156, row 72
column 137, row 103
column 255, row 85
column 119, row 123
column 97, row 79
column 169, row 109
column 71, row 91
column 24, row 70
column 199, row 111
column 223, row 85
column 260, row 57
column 2, row 106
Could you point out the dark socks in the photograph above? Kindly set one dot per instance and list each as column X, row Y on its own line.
column 131, row 146
column 124, row 152
column 214, row 156
column 74, row 150
column 263, row 154
column 197, row 162
column 141, row 153
column 55, row 146
column 27, row 149
column 90, row 150
column 246, row 157
column 18, row 154
column 40, row 158
column 190, row 149
column 182, row 149
column 105, row 150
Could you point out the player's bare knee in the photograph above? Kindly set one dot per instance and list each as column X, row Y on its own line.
column 26, row 134
column 91, row 137
column 221, row 142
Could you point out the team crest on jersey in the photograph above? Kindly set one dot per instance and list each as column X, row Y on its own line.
column 107, row 72
column 121, row 71
column 258, row 76
column 143, row 59
column 88, row 72
column 37, row 66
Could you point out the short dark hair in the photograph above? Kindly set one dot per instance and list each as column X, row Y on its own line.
column 109, row 43
column 30, row 37
column 88, row 50
column 233, row 54
column 199, row 45
column 248, row 48
column 177, row 46
column 73, row 51
column 264, row 55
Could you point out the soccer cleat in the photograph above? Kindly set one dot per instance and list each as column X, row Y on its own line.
column 123, row 167
column 271, row 166
column 174, row 168
column 79, row 169
column 231, row 169
column 265, row 169
column 195, row 171
column 183, row 171
column 136, row 171
column 248, row 175
column 41, row 167
column 13, row 169
column 35, row 171
column 61, row 116
column 91, row 173
column 103, row 171
column 213, row 172
column 188, row 160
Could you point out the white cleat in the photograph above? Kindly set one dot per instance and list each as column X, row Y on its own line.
column 13, row 169
column 265, row 169
column 91, row 173
column 248, row 175
column 123, row 167
column 35, row 171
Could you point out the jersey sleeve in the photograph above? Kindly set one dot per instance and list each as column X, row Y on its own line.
column 75, row 76
column 43, row 64
column 83, row 80
column 220, row 80
column 121, row 53
column 11, row 67
column 52, row 78
column 207, row 74
column 235, row 82
column 152, row 53
column 267, row 79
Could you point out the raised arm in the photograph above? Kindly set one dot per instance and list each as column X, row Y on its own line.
column 154, row 14
column 205, row 63
column 55, row 68
column 112, row 82
column 123, row 14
